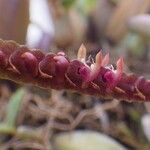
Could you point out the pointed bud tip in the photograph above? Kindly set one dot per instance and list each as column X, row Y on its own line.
column 82, row 48
column 81, row 53
column 120, row 61
column 105, row 60
column 99, row 58
column 120, row 64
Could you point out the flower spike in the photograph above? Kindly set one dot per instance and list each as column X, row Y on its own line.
column 57, row 71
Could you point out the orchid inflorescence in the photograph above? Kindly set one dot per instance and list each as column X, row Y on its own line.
column 57, row 71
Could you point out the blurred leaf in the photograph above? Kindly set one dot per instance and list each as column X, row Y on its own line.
column 26, row 133
column 146, row 125
column 141, row 25
column 14, row 19
column 115, row 1
column 135, row 44
column 85, row 140
column 135, row 115
column 117, row 25
column 86, row 6
column 67, row 3
column 101, row 14
column 8, row 126
column 6, row 129
column 63, row 36
column 14, row 107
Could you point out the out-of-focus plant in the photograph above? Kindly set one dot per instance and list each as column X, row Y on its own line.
column 146, row 125
column 14, row 19
column 70, row 20
column 134, row 44
column 9, row 124
column 81, row 140
column 41, row 29
column 85, row 6
column 137, row 41
column 117, row 25
column 67, row 3
column 141, row 25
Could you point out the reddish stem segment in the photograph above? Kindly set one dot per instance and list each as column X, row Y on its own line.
column 56, row 71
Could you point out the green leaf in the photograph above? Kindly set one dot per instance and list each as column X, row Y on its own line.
column 67, row 3
column 14, row 107
column 8, row 126
column 86, row 5
column 6, row 129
